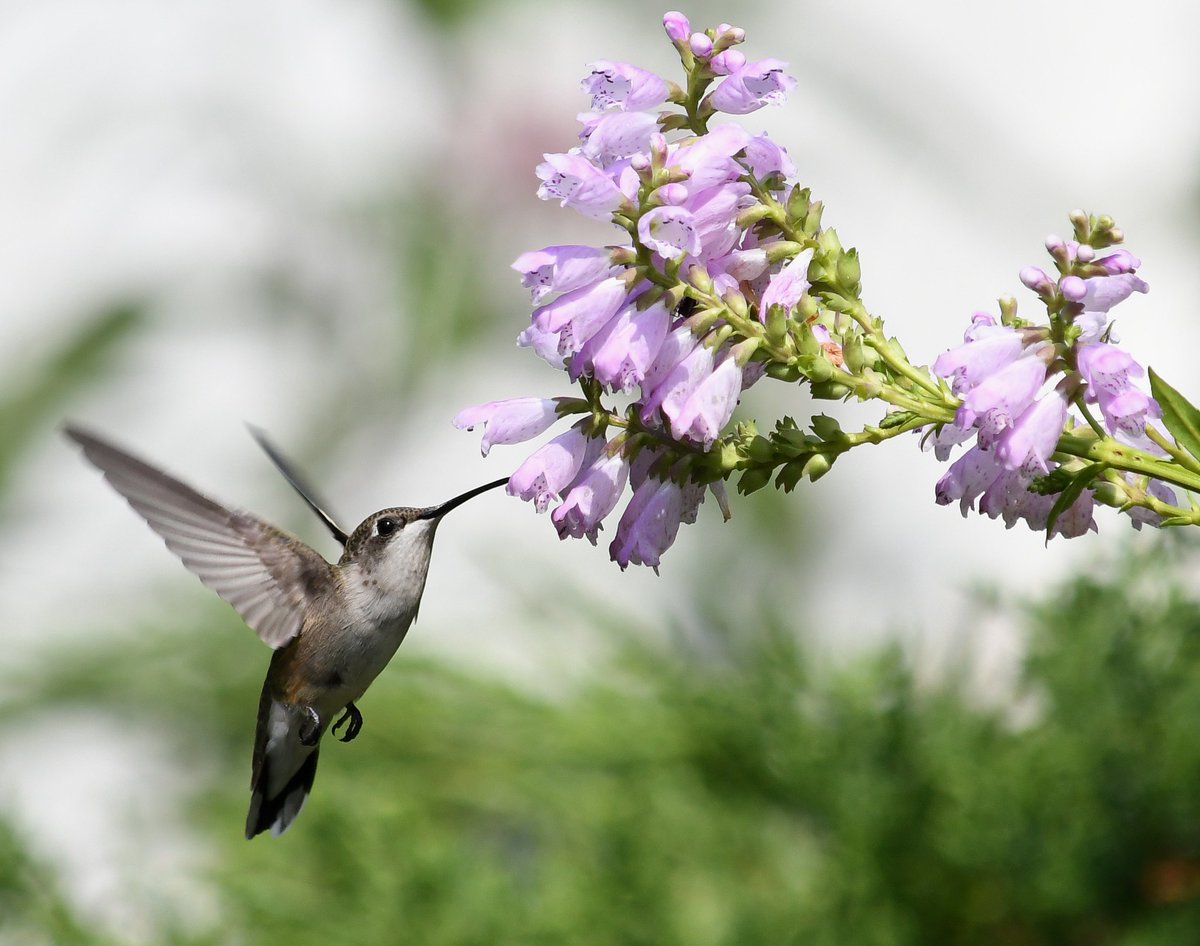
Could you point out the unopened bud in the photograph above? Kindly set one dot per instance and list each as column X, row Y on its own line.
column 1073, row 288
column 731, row 60
column 1036, row 279
column 677, row 26
column 1109, row 494
column 670, row 194
column 736, row 302
column 701, row 45
column 698, row 276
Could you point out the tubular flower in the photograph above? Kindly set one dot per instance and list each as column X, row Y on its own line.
column 1001, row 372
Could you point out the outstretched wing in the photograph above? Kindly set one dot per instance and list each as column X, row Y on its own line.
column 264, row 573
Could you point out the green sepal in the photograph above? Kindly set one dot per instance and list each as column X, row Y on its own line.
column 827, row 428
column 798, row 202
column 753, row 480
column 815, row 367
column 784, row 372
column 1052, row 483
column 829, row 390
column 760, row 450
column 777, row 324
column 1079, row 482
column 789, row 475
column 817, row 466
column 896, row 419
column 1179, row 415
column 849, row 272
column 1171, row 521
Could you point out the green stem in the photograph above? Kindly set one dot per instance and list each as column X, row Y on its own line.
column 1182, row 457
column 1092, row 422
column 1121, row 457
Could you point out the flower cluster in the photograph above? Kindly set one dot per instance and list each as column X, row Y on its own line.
column 1017, row 383
column 618, row 319
column 725, row 275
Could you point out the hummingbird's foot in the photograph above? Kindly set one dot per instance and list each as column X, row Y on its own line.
column 310, row 730
column 354, row 717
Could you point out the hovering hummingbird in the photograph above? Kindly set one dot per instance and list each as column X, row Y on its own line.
column 333, row 627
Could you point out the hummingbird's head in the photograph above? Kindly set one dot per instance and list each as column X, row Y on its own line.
column 389, row 551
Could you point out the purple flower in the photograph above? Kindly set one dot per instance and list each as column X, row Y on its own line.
column 1119, row 261
column 763, row 157
column 1076, row 519
column 1125, row 416
column 619, row 85
column 1105, row 368
column 592, row 496
column 544, row 344
column 670, row 232
column 550, row 468
column 713, row 217
column 1160, row 491
column 996, row 401
column 678, row 383
column 738, row 266
column 561, row 269
column 511, row 421
column 750, row 88
column 1104, row 292
column 649, row 524
column 614, row 136
column 967, row 478
column 708, row 161
column 786, row 286
column 622, row 351
column 575, row 182
column 577, row 315
column 967, row 365
column 1029, row 442
column 708, row 406
column 678, row 344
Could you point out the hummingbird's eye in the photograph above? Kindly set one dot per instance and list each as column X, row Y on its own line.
column 385, row 526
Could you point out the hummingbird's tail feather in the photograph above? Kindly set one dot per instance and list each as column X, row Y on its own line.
column 284, row 768
column 280, row 811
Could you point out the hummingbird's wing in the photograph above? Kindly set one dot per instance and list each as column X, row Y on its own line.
column 267, row 575
column 299, row 484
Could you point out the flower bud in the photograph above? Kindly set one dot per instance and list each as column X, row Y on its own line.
column 677, row 26
column 1036, row 279
column 701, row 45
column 729, row 61
column 1072, row 288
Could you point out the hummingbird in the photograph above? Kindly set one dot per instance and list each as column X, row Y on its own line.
column 332, row 627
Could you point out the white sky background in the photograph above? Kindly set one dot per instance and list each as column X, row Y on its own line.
column 187, row 152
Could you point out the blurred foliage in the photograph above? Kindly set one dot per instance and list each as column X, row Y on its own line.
column 717, row 789
column 29, row 404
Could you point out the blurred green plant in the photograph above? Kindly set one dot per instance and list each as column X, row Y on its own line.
column 719, row 789
column 36, row 401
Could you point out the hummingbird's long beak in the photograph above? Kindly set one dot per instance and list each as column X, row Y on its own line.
column 436, row 512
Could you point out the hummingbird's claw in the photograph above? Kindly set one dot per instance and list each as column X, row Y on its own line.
column 310, row 731
column 354, row 718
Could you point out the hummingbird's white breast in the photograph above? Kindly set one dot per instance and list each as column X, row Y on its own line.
column 380, row 595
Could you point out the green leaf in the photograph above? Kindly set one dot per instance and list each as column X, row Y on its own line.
column 1071, row 492
column 1179, row 415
